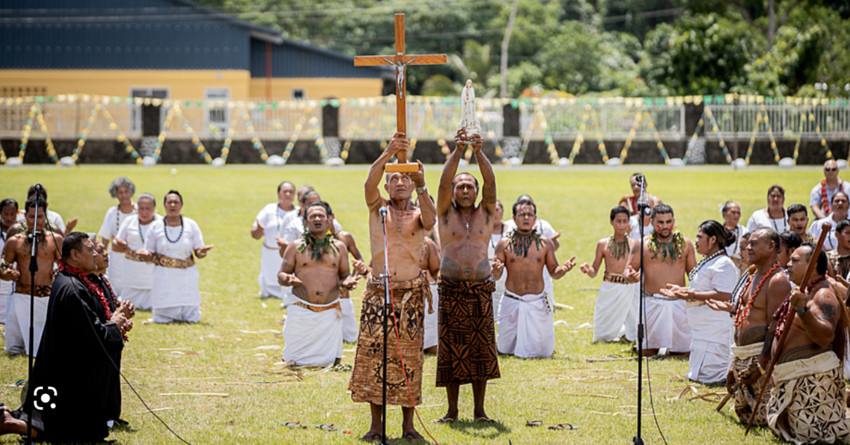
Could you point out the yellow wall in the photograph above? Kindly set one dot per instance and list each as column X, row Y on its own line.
column 185, row 84
column 318, row 88
column 180, row 83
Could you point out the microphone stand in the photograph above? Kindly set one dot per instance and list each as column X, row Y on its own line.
column 33, row 269
column 386, row 277
column 643, row 210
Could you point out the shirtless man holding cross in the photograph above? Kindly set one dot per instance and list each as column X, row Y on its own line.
column 406, row 227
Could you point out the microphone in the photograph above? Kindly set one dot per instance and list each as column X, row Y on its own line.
column 643, row 201
column 383, row 211
column 38, row 188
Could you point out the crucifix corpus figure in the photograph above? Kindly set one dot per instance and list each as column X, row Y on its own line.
column 400, row 60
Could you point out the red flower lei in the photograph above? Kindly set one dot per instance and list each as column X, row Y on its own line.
column 91, row 285
column 744, row 310
column 824, row 201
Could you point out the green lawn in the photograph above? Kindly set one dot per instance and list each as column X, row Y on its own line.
column 235, row 349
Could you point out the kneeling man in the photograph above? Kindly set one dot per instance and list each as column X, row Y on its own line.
column 526, row 328
column 807, row 403
column 315, row 268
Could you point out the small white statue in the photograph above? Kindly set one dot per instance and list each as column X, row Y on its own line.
column 467, row 111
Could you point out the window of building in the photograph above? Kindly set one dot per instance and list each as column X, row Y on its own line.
column 216, row 100
column 298, row 94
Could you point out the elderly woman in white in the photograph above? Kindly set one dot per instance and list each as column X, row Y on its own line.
column 173, row 243
column 122, row 189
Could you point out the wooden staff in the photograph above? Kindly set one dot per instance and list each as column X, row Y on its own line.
column 729, row 395
column 786, row 324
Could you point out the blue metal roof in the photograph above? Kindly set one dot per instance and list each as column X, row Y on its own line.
column 152, row 34
column 297, row 59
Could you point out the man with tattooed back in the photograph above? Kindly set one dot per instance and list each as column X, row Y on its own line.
column 807, row 402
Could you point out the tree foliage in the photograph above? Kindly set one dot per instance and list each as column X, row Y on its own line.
column 616, row 47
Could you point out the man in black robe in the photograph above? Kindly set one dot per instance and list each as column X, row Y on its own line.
column 69, row 394
column 128, row 309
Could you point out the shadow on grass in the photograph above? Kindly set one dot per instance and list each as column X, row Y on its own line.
column 480, row 430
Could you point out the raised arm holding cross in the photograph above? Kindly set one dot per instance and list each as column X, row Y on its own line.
column 400, row 60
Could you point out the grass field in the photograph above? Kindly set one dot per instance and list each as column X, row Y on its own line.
column 235, row 349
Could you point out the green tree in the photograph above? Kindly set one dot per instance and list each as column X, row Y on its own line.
column 703, row 54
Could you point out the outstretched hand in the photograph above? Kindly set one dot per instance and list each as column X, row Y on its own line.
column 674, row 291
column 119, row 245
column 286, row 279
column 257, row 230
column 202, row 251
column 350, row 282
column 586, row 268
column 497, row 265
column 566, row 267
column 359, row 266
column 71, row 225
column 719, row 305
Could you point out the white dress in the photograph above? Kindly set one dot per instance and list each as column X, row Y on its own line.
column 711, row 331
column 271, row 217
column 634, row 233
column 176, row 295
column 500, row 283
column 6, row 287
column 138, row 275
column 117, row 261
column 761, row 220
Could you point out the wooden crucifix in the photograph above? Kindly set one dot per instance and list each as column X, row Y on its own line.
column 400, row 61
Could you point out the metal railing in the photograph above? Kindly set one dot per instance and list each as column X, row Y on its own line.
column 429, row 118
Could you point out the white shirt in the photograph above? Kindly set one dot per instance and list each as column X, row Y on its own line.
column 180, row 246
column 112, row 222
column 817, row 199
column 129, row 232
column 543, row 227
column 761, row 220
column 272, row 217
column 293, row 227
column 734, row 249
column 635, row 232
column 720, row 274
column 817, row 227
